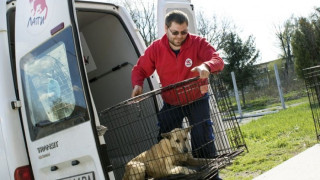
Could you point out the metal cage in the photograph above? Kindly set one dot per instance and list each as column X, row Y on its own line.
column 312, row 80
column 133, row 125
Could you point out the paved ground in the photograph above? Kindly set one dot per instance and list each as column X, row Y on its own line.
column 304, row 166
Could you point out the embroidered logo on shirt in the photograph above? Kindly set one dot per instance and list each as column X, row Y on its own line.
column 188, row 62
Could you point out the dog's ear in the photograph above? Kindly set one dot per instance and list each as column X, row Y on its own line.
column 166, row 135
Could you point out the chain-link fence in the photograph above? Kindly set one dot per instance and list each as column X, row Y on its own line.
column 261, row 92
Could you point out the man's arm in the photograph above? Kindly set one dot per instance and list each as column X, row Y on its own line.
column 143, row 69
column 137, row 90
column 211, row 62
column 203, row 70
column 210, row 57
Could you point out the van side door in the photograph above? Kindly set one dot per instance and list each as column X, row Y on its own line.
column 57, row 111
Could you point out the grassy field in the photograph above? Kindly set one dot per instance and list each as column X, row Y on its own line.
column 272, row 140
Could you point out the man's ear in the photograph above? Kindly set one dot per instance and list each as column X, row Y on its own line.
column 166, row 135
column 165, row 28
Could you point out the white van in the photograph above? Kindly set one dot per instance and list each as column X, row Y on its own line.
column 61, row 62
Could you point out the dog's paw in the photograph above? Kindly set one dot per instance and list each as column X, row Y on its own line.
column 182, row 170
column 191, row 171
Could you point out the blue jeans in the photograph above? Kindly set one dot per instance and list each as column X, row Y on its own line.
column 198, row 114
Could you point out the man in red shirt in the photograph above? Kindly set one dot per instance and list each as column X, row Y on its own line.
column 178, row 56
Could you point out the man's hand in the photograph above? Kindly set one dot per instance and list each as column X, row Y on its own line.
column 203, row 70
column 137, row 90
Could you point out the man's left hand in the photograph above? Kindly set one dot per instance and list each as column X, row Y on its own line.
column 203, row 70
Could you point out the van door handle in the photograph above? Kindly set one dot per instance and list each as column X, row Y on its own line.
column 54, row 168
column 75, row 162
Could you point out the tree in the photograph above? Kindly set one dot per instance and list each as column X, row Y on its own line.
column 143, row 15
column 284, row 34
column 240, row 57
column 306, row 43
column 213, row 30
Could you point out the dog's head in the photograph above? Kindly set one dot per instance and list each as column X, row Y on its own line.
column 179, row 139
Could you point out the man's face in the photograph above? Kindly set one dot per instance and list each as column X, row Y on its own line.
column 177, row 34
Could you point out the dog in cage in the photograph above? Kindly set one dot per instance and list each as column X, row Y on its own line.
column 170, row 156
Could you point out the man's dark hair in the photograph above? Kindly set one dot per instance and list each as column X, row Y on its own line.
column 176, row 16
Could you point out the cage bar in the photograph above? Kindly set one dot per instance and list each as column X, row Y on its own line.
column 133, row 126
column 312, row 81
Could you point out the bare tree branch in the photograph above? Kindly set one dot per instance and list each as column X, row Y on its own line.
column 213, row 30
column 142, row 14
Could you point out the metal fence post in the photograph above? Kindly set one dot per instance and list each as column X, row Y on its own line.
column 236, row 93
column 279, row 86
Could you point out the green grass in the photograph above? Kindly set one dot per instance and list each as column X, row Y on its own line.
column 271, row 140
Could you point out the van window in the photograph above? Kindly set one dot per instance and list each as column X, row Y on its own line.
column 53, row 91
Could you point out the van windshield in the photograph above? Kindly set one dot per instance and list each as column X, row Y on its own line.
column 52, row 86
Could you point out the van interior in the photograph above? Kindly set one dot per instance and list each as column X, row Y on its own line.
column 109, row 54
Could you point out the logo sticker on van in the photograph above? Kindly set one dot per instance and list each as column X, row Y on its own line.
column 48, row 147
column 39, row 12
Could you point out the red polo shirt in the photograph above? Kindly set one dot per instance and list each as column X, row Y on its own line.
column 171, row 68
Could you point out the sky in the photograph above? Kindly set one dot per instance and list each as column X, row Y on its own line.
column 255, row 17
column 258, row 18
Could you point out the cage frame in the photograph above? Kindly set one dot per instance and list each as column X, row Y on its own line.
column 311, row 76
column 223, row 109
